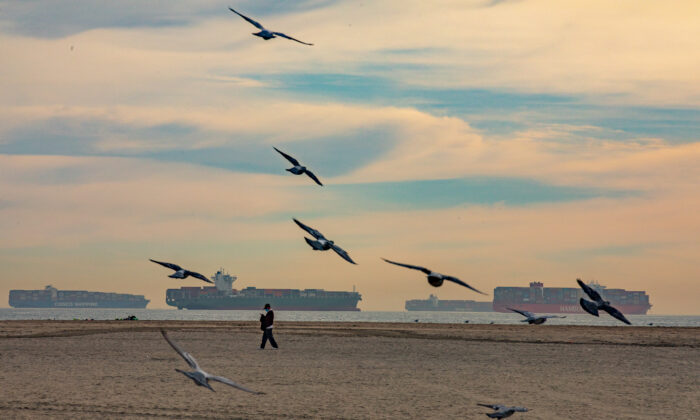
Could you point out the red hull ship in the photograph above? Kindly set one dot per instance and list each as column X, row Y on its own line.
column 556, row 300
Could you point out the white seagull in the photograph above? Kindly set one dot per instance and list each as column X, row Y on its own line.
column 598, row 303
column 264, row 33
column 435, row 279
column 298, row 169
column 200, row 377
column 502, row 411
column 321, row 243
column 534, row 319
column 181, row 273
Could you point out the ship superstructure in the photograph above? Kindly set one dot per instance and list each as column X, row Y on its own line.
column 540, row 299
column 51, row 297
column 223, row 296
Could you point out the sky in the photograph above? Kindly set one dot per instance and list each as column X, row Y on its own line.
column 501, row 142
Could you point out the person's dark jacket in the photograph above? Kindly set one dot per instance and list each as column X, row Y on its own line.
column 267, row 319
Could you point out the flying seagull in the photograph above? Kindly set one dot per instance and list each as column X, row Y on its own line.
column 534, row 319
column 181, row 273
column 264, row 33
column 321, row 243
column 298, row 169
column 502, row 411
column 598, row 303
column 435, row 279
column 200, row 377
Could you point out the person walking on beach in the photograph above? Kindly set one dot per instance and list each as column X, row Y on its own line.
column 266, row 322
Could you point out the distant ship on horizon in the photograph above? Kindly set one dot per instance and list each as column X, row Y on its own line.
column 224, row 297
column 553, row 300
column 435, row 304
column 51, row 297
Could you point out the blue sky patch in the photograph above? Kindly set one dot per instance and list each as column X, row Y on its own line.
column 446, row 193
column 328, row 156
column 495, row 111
column 44, row 19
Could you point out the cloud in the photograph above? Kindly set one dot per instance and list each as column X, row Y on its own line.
column 492, row 108
column 66, row 200
column 353, row 144
column 234, row 147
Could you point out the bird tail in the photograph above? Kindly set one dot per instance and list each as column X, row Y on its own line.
column 313, row 244
column 589, row 306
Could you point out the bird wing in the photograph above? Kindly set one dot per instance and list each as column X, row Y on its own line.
column 313, row 232
column 615, row 314
column 199, row 276
column 312, row 176
column 289, row 37
column 458, row 281
column 492, row 406
column 231, row 383
column 286, row 156
column 526, row 314
column 188, row 357
column 252, row 22
column 340, row 251
column 167, row 264
column 413, row 267
column 589, row 306
column 590, row 291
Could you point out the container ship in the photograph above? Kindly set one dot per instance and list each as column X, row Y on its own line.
column 538, row 298
column 51, row 297
column 223, row 296
column 435, row 304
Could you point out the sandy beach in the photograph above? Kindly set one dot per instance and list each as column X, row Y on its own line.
column 124, row 369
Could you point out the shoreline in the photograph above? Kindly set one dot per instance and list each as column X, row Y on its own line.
column 503, row 333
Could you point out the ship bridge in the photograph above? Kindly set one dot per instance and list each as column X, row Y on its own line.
column 223, row 281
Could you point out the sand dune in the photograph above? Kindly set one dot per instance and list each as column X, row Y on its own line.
column 124, row 369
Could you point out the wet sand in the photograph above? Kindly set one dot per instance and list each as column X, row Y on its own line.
column 124, row 369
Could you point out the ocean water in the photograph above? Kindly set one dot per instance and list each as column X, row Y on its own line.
column 369, row 316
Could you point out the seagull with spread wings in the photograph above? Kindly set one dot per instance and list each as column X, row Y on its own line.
column 264, row 33
column 321, row 243
column 502, row 411
column 181, row 273
column 598, row 303
column 435, row 279
column 298, row 169
column 200, row 377
column 531, row 318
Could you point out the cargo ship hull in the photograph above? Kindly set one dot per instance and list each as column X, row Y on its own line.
column 51, row 297
column 435, row 304
column 223, row 297
column 555, row 300
column 555, row 308
column 245, row 303
column 50, row 304
column 257, row 305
